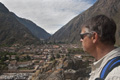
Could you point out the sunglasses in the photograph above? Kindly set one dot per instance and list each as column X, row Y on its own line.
column 83, row 35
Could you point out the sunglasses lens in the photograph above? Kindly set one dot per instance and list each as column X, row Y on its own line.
column 81, row 36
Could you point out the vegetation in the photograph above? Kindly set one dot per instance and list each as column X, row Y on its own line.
column 3, row 58
column 3, row 66
column 6, row 56
column 75, row 51
column 52, row 57
column 57, row 55
column 7, row 53
column 26, row 58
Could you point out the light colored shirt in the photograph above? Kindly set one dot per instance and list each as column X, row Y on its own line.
column 98, row 66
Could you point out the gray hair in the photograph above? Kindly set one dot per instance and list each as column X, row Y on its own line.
column 105, row 27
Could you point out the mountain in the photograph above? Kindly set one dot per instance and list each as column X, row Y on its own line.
column 36, row 30
column 12, row 31
column 3, row 8
column 70, row 32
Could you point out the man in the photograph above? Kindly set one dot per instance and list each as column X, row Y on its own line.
column 98, row 39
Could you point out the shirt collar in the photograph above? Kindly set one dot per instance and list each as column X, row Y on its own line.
column 107, row 57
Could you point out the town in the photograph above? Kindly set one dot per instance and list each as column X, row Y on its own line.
column 22, row 62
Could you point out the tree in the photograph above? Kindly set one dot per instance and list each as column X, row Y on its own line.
column 52, row 57
column 28, row 57
column 17, row 58
column 57, row 55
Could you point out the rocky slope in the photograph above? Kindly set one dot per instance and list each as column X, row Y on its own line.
column 64, row 69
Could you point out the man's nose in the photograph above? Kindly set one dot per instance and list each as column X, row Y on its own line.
column 81, row 40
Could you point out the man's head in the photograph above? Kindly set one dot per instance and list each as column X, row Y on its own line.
column 101, row 28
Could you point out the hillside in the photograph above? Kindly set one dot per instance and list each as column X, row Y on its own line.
column 36, row 30
column 12, row 31
column 70, row 32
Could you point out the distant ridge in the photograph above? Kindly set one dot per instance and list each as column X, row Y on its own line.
column 70, row 32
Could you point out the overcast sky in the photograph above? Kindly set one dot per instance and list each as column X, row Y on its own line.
column 50, row 15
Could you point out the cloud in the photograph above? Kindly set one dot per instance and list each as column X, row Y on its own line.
column 51, row 15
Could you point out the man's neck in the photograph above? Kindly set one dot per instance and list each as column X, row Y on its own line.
column 102, row 50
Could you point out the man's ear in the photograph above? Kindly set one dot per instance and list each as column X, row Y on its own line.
column 95, row 37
